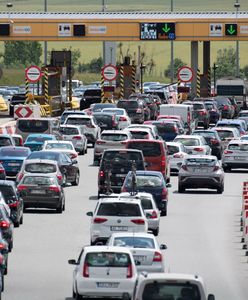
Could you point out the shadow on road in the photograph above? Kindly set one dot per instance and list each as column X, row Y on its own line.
column 196, row 192
column 93, row 198
column 40, row 211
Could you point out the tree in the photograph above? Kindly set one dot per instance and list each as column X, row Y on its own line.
column 245, row 71
column 21, row 53
column 178, row 63
column 226, row 62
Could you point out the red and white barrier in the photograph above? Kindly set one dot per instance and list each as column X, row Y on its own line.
column 8, row 128
column 244, row 214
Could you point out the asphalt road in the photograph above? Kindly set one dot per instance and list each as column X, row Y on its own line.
column 202, row 232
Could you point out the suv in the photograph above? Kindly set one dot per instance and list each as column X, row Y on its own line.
column 201, row 114
column 114, row 166
column 90, row 96
column 134, row 108
column 116, row 214
column 151, row 104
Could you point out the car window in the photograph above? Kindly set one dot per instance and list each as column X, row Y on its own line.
column 68, row 130
column 113, row 137
column 200, row 161
column 165, row 127
column 7, row 191
column 65, row 146
column 205, row 134
column 225, row 134
column 146, row 181
column 239, row 147
column 107, row 259
column 5, row 141
column 14, row 152
column 172, row 149
column 148, row 149
column 29, row 125
column 134, row 242
column 146, row 203
column 188, row 141
column 127, row 104
column 40, row 168
column 119, row 209
column 44, row 155
column 36, row 180
column 78, row 121
column 117, row 112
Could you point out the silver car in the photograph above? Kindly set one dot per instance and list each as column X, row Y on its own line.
column 75, row 134
column 110, row 139
column 202, row 171
column 177, row 153
column 195, row 144
column 227, row 134
column 235, row 156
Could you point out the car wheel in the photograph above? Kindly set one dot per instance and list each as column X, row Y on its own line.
column 6, row 268
column 181, row 189
column 76, row 181
column 155, row 231
column 86, row 148
column 21, row 220
column 220, row 189
column 17, row 224
column 163, row 212
column 59, row 209
column 64, row 180
column 82, row 152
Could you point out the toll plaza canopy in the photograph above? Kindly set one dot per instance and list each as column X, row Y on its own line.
column 124, row 26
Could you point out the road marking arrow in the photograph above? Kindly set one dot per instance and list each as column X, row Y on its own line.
column 166, row 29
column 231, row 30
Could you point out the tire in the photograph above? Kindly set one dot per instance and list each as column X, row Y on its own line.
column 17, row 224
column 59, row 209
column 155, row 231
column 220, row 190
column 10, row 246
column 205, row 126
column 76, row 181
column 21, row 220
column 78, row 297
column 163, row 212
column 181, row 189
column 64, row 206
column 82, row 152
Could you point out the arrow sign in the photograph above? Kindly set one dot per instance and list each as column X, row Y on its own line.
column 231, row 29
column 166, row 28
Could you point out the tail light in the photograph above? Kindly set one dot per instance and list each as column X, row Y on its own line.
column 163, row 161
column 202, row 112
column 59, row 177
column 216, row 168
column 22, row 187
column 198, row 149
column 225, row 107
column 157, row 257
column 228, row 152
column 73, row 155
column 124, row 142
column 138, row 221
column 4, row 224
column 19, row 176
column 138, row 111
column 101, row 174
column 14, row 204
column 99, row 142
column 129, row 271
column 184, row 167
column 99, row 220
column 86, row 270
column 214, row 142
column 164, row 194
column 54, row 188
column 178, row 155
column 2, row 246
column 2, row 170
column 153, row 215
column 122, row 119
column 77, row 137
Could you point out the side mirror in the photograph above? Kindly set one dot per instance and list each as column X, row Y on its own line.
column 89, row 214
column 211, row 297
column 168, row 185
column 72, row 262
column 162, row 247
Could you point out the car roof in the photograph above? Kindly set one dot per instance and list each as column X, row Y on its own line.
column 146, row 173
column 5, row 135
column 7, row 182
column 39, row 160
column 40, row 135
column 106, row 249
column 170, row 276
column 133, row 234
column 123, row 150
column 116, row 198
column 114, row 132
column 245, row 142
column 228, row 121
column 201, row 156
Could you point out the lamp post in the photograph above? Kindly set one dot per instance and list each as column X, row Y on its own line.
column 237, row 6
column 45, row 42
column 214, row 69
column 172, row 52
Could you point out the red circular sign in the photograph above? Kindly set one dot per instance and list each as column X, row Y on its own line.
column 33, row 73
column 109, row 72
column 185, row 74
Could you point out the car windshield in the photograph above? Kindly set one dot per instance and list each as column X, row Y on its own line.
column 108, row 259
column 148, row 148
column 209, row 106
column 36, row 180
column 40, row 168
column 38, row 139
column 119, row 209
column 44, row 155
column 5, row 141
column 121, row 156
column 14, row 152
column 127, row 104
column 139, row 134
column 198, row 106
column 200, row 161
column 103, row 118
column 206, row 134
column 165, row 127
column 238, row 147
column 7, row 191
column 78, row 121
column 188, row 141
column 114, row 137
column 63, row 146
column 117, row 112
column 134, row 242
column 146, row 181
column 225, row 134
column 172, row 149
column 157, row 290
column 243, row 114
column 29, row 125
column 68, row 130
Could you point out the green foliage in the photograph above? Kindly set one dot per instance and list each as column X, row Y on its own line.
column 178, row 63
column 226, row 62
column 245, row 71
column 21, row 53
column 94, row 66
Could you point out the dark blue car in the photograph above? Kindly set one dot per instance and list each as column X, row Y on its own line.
column 12, row 157
column 35, row 141
column 152, row 182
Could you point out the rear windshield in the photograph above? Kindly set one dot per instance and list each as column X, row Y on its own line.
column 38, row 139
column 209, row 105
column 148, row 149
column 114, row 137
column 5, row 141
column 229, row 125
column 108, row 259
column 68, row 130
column 119, row 209
column 171, row 291
column 198, row 106
column 44, row 155
column 7, row 191
column 146, row 203
column 134, row 242
column 222, row 101
column 139, row 134
column 18, row 141
column 172, row 149
column 65, row 146
column 165, row 128
column 239, row 147
column 205, row 134
column 33, row 125
column 65, row 115
column 38, row 180
column 78, row 121
column 188, row 142
column 103, row 118
column 93, row 93
column 146, row 181
column 14, row 152
column 122, row 156
column 200, row 161
column 225, row 134
column 40, row 168
column 127, row 104
column 243, row 114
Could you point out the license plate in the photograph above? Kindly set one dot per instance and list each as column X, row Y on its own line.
column 118, row 228
column 239, row 158
column 120, row 175
column 38, row 192
column 107, row 284
column 139, row 257
column 13, row 164
column 199, row 170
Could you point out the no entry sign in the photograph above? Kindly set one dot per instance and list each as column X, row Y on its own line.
column 185, row 74
column 33, row 74
column 109, row 72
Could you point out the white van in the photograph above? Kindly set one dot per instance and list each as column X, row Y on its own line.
column 185, row 111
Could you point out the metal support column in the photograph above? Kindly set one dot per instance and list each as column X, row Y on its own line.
column 194, row 66
column 206, row 56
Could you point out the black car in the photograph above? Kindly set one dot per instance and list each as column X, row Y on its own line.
column 201, row 113
column 134, row 108
column 225, row 107
column 68, row 168
column 213, row 140
column 15, row 203
column 149, row 102
column 15, row 100
column 90, row 96
column 214, row 113
column 41, row 191
column 7, row 227
column 106, row 121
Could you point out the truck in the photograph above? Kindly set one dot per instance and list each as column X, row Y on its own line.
column 230, row 86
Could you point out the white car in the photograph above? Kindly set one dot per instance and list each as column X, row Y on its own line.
column 5, row 205
column 110, row 139
column 144, row 247
column 150, row 208
column 153, row 129
column 195, row 144
column 104, row 271
column 226, row 134
column 114, row 214
column 141, row 133
column 177, row 152
column 61, row 146
column 75, row 134
column 123, row 118
column 88, row 123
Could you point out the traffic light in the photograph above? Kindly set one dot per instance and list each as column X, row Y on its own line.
column 231, row 29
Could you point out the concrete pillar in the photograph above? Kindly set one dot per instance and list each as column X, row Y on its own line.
column 109, row 53
column 206, row 57
column 194, row 66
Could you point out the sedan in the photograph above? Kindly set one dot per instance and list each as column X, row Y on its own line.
column 201, row 172
column 61, row 146
column 35, row 141
column 144, row 247
column 195, row 144
column 41, row 191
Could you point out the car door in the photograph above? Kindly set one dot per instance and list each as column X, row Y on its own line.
column 68, row 167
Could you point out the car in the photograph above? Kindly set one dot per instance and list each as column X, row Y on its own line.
column 88, row 123
column 104, row 271
column 61, row 146
column 36, row 141
column 177, row 119
column 167, row 129
column 6, row 227
column 213, row 140
column 195, row 144
column 41, row 191
column 237, row 123
column 116, row 139
column 122, row 116
column 114, row 166
column 153, row 129
column 134, row 108
column 68, row 167
column 150, row 103
column 243, row 115
column 226, row 134
column 114, row 214
column 201, row 114
column 75, row 134
column 17, row 139
column 144, row 248
column 106, row 121
column 170, row 286
column 12, row 157
column 203, row 171
column 152, row 182
column 176, row 153
column 66, row 113
column 235, row 105
column 15, row 203
column 150, row 209
column 225, row 107
column 2, row 172
column 4, row 251
column 235, row 156
column 6, row 140
column 214, row 113
column 140, row 133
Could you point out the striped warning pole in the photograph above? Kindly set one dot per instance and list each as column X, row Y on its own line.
column 209, row 82
column 26, row 89
column 178, row 94
column 133, row 78
column 102, row 89
column 46, row 84
column 122, row 81
column 198, row 84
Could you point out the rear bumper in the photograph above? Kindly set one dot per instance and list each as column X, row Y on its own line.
column 41, row 202
column 235, row 165
column 200, row 181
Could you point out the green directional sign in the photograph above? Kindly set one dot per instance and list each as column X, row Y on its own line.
column 165, row 30
column 157, row 31
column 231, row 29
